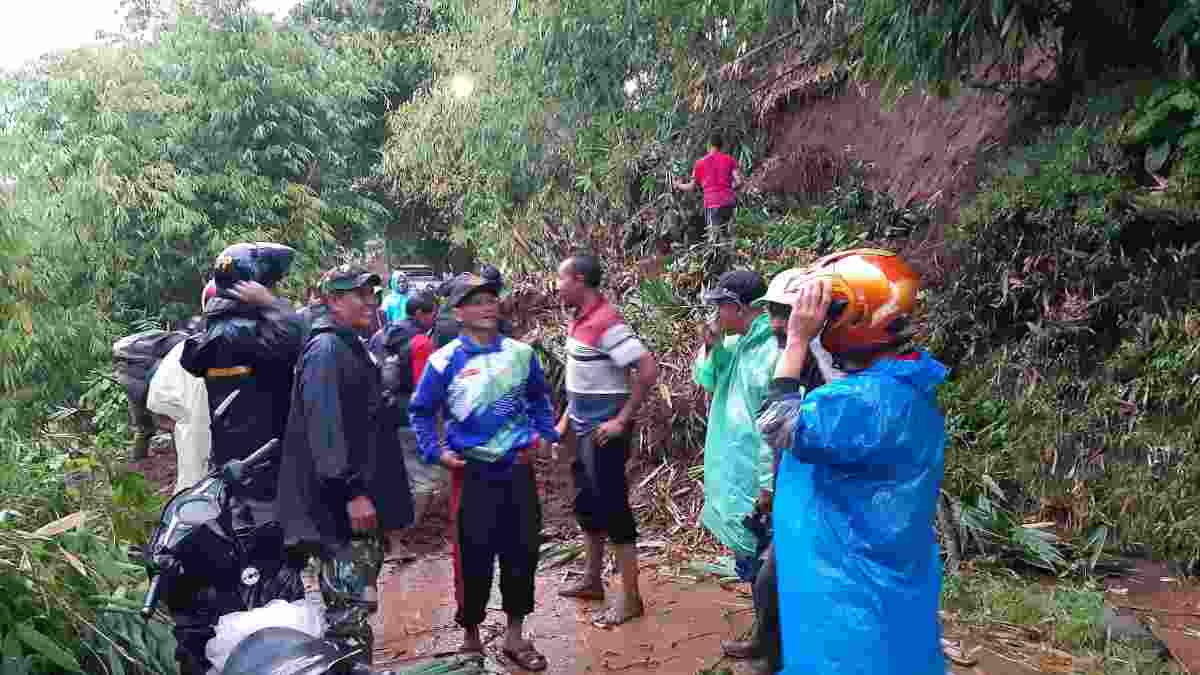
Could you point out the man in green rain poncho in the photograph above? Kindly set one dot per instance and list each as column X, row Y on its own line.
column 735, row 367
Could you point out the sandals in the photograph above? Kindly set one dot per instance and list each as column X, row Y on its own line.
column 528, row 658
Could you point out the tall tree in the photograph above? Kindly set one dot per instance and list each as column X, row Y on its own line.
column 135, row 163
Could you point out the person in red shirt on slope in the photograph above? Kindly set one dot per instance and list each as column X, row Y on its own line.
column 717, row 174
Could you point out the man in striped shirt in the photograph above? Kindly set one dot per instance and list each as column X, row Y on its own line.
column 602, row 401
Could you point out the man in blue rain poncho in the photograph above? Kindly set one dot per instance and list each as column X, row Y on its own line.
column 859, row 477
column 735, row 368
column 395, row 305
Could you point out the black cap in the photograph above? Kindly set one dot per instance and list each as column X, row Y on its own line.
column 458, row 288
column 491, row 273
column 347, row 278
column 741, row 286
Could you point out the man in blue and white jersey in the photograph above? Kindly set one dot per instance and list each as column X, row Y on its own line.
column 495, row 401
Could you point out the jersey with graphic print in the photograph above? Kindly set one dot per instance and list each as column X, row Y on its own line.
column 494, row 399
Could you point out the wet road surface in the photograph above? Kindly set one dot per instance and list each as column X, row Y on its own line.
column 681, row 632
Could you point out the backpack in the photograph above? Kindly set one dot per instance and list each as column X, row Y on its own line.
column 396, row 370
column 137, row 356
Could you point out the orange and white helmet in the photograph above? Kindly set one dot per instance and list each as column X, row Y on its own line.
column 874, row 296
column 874, row 293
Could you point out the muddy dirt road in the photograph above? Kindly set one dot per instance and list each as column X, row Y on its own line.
column 681, row 632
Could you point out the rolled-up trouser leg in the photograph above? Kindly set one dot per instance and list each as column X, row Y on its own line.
column 766, row 610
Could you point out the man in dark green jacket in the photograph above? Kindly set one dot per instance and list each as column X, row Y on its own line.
column 330, row 452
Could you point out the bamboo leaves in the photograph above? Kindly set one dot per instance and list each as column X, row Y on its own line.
column 46, row 648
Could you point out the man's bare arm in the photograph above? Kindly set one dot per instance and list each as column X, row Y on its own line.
column 647, row 374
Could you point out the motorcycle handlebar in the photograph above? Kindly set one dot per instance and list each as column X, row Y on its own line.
column 261, row 454
column 235, row 470
column 151, row 597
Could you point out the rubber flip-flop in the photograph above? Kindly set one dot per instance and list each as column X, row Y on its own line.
column 528, row 658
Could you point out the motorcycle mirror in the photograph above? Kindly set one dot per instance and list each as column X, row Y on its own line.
column 220, row 411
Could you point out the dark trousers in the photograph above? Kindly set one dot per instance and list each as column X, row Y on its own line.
column 766, row 612
column 497, row 514
column 192, row 633
column 717, row 221
column 601, row 490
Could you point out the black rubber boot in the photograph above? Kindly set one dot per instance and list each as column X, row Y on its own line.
column 766, row 601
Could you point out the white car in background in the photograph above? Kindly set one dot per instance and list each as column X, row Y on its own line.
column 420, row 278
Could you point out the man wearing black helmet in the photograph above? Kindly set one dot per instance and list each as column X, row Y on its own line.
column 245, row 357
column 247, row 352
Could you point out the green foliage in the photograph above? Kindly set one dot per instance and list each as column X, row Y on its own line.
column 1165, row 127
column 850, row 214
column 50, row 587
column 1072, row 613
column 1039, row 254
column 124, row 637
column 1064, row 615
column 1182, row 26
column 936, row 41
column 1068, row 168
column 545, row 119
column 1069, row 321
column 997, row 526
column 46, row 648
column 134, row 165
column 108, row 405
column 946, row 42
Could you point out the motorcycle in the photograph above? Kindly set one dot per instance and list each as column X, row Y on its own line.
column 215, row 552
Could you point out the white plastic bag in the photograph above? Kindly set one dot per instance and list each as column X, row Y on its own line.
column 302, row 615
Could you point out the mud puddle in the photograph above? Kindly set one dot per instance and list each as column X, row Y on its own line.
column 681, row 633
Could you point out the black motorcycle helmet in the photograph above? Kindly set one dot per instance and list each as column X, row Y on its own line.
column 263, row 262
